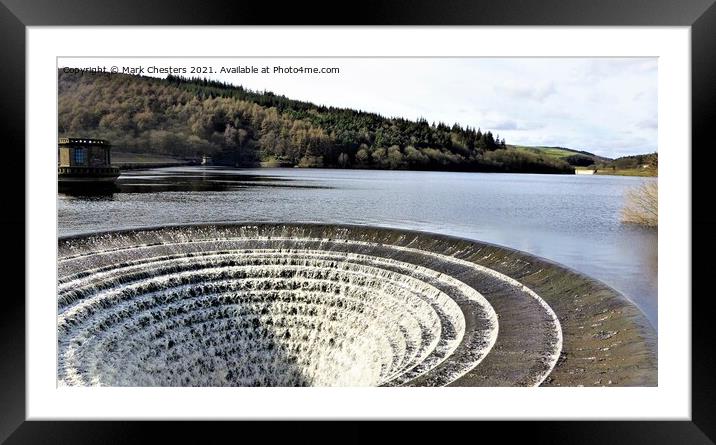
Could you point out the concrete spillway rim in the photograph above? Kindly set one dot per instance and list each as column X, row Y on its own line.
column 636, row 317
column 224, row 224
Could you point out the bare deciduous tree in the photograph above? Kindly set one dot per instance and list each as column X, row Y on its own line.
column 642, row 205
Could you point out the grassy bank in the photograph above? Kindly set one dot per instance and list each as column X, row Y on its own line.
column 648, row 172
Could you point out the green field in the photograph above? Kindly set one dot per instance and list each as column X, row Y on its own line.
column 605, row 166
column 554, row 152
column 558, row 152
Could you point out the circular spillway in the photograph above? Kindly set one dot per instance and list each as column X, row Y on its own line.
column 317, row 305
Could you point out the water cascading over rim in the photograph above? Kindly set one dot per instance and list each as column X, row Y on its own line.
column 307, row 305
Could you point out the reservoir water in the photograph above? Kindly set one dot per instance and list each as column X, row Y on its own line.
column 571, row 219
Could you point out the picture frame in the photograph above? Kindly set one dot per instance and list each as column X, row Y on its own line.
column 700, row 15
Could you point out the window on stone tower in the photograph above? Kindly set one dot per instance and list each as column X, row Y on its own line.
column 80, row 156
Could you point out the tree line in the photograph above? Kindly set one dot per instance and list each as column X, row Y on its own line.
column 193, row 117
column 648, row 161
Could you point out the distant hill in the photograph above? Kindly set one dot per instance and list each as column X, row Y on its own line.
column 191, row 117
column 633, row 165
column 576, row 158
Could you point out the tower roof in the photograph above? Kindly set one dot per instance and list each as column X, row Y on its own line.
column 82, row 141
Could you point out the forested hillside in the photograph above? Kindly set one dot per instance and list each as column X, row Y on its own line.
column 238, row 127
column 634, row 165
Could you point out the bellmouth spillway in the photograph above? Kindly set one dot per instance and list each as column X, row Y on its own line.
column 330, row 305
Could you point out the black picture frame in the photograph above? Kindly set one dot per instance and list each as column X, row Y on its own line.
column 16, row 15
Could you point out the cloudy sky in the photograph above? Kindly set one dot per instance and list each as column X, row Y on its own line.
column 604, row 105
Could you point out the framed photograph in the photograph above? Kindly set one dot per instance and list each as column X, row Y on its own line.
column 386, row 219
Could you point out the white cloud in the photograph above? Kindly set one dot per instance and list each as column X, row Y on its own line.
column 510, row 124
column 651, row 123
column 526, row 91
